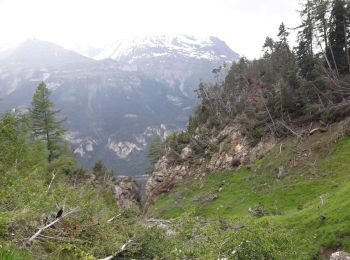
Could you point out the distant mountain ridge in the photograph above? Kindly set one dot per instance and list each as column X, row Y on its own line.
column 34, row 53
column 210, row 48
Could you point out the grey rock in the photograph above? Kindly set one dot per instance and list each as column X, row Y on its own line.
column 186, row 153
column 341, row 255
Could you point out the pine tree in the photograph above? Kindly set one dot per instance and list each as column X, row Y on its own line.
column 338, row 41
column 44, row 124
column 347, row 35
column 155, row 149
column 13, row 140
column 305, row 53
column 320, row 13
column 283, row 36
column 268, row 47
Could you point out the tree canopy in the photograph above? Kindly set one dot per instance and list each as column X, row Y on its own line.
column 44, row 122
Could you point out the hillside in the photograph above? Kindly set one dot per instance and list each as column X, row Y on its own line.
column 253, row 165
column 298, row 189
column 261, row 170
column 289, row 204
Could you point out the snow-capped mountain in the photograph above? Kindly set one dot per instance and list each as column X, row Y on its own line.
column 114, row 104
column 209, row 48
column 179, row 60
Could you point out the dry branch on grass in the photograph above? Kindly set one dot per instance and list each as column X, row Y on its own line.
column 123, row 248
column 47, row 225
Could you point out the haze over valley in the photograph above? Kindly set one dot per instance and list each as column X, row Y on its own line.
column 118, row 98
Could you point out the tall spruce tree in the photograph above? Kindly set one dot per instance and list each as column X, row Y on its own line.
column 338, row 41
column 347, row 34
column 305, row 53
column 320, row 13
column 45, row 125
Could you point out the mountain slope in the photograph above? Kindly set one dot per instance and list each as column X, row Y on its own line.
column 298, row 188
column 34, row 54
column 113, row 109
column 178, row 60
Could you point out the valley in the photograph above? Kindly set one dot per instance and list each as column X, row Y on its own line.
column 117, row 101
column 172, row 146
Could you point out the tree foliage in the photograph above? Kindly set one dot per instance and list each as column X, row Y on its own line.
column 44, row 122
column 285, row 84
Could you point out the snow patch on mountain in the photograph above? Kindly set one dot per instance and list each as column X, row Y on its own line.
column 175, row 100
column 84, row 145
column 53, row 85
column 131, row 116
column 208, row 48
column 122, row 149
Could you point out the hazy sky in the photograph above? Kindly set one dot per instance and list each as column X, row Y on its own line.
column 243, row 24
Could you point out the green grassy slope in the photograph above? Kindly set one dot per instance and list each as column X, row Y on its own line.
column 311, row 203
column 25, row 202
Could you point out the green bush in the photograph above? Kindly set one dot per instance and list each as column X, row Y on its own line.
column 177, row 141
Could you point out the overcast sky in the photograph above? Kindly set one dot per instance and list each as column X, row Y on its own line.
column 243, row 24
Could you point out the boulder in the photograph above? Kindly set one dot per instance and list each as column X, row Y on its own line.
column 341, row 255
column 280, row 174
column 186, row 153
column 127, row 193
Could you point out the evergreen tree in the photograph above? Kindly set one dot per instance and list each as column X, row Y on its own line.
column 283, row 35
column 44, row 123
column 155, row 150
column 13, row 140
column 101, row 172
column 347, row 34
column 338, row 38
column 268, row 47
column 305, row 53
column 320, row 13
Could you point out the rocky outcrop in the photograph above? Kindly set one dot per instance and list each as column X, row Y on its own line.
column 341, row 255
column 186, row 153
column 162, row 224
column 127, row 193
column 227, row 150
column 235, row 150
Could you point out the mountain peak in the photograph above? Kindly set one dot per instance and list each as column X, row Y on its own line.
column 209, row 48
column 38, row 53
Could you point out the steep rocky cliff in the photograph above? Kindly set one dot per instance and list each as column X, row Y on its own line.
column 229, row 149
column 126, row 193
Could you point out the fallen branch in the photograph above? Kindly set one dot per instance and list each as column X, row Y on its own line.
column 161, row 221
column 53, row 222
column 69, row 240
column 53, row 177
column 123, row 248
column 111, row 219
column 314, row 131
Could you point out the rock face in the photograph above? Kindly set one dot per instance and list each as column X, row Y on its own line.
column 341, row 255
column 186, row 153
column 127, row 193
column 235, row 150
column 231, row 150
